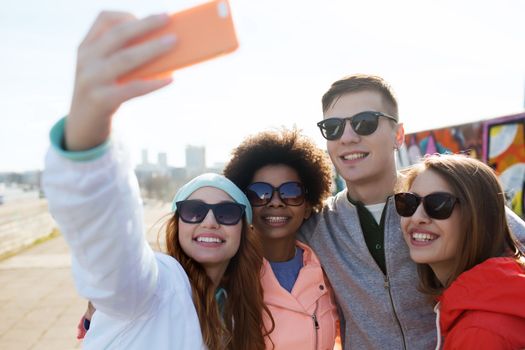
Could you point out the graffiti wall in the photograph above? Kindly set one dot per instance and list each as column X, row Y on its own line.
column 505, row 152
column 499, row 142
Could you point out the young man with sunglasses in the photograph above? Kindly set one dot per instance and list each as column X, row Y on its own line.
column 357, row 234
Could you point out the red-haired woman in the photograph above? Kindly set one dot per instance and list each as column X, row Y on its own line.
column 205, row 293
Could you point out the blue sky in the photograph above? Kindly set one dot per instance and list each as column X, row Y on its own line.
column 449, row 62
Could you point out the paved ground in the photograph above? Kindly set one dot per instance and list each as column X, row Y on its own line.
column 39, row 308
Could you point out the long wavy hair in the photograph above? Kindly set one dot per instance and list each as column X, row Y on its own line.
column 485, row 229
column 241, row 326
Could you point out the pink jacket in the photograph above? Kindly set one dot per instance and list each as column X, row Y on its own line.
column 307, row 317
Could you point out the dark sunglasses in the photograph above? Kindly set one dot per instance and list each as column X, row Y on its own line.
column 194, row 211
column 437, row 205
column 290, row 193
column 364, row 123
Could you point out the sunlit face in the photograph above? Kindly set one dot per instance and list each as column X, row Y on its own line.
column 432, row 241
column 276, row 220
column 363, row 159
column 210, row 243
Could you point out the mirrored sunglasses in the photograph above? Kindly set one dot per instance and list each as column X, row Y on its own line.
column 290, row 193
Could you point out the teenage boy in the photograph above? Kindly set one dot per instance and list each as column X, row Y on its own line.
column 357, row 234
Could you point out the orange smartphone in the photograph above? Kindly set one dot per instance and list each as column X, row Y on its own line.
column 203, row 32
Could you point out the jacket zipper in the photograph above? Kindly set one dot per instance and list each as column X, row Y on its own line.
column 387, row 287
column 316, row 325
column 438, row 327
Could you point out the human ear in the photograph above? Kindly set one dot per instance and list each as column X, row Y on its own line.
column 307, row 211
column 400, row 135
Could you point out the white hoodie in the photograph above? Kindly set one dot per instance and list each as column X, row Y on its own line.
column 143, row 299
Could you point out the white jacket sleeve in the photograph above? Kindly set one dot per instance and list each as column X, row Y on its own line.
column 98, row 209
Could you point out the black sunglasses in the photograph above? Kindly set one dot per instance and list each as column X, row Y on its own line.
column 193, row 211
column 437, row 205
column 364, row 123
column 290, row 193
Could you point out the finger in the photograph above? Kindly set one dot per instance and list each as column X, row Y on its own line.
column 86, row 53
column 122, row 34
column 122, row 93
column 103, row 22
column 126, row 60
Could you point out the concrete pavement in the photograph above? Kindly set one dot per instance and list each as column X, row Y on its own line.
column 39, row 307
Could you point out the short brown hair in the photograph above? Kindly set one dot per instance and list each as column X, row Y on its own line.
column 482, row 202
column 358, row 83
column 287, row 147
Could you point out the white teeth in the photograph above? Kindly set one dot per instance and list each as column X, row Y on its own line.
column 422, row 237
column 354, row 156
column 276, row 219
column 208, row 240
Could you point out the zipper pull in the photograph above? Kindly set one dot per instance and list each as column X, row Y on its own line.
column 316, row 324
column 387, row 283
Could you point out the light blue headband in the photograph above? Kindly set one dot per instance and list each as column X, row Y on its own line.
column 217, row 181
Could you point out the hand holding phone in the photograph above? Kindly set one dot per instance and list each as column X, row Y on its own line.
column 102, row 58
column 203, row 32
column 123, row 57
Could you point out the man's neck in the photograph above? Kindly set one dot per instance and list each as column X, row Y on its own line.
column 372, row 192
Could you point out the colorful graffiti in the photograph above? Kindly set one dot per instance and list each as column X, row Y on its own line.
column 499, row 142
column 455, row 139
column 505, row 152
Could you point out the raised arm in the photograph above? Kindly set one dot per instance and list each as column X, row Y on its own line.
column 102, row 58
column 92, row 190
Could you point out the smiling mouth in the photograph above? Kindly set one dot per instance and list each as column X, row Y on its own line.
column 355, row 156
column 208, row 240
column 276, row 220
column 423, row 237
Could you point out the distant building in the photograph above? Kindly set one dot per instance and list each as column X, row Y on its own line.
column 32, row 178
column 195, row 160
column 217, row 168
column 28, row 180
column 11, row 177
column 162, row 160
column 145, row 157
column 179, row 175
column 161, row 180
column 146, row 170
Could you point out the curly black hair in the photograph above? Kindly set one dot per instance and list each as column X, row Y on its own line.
column 287, row 147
